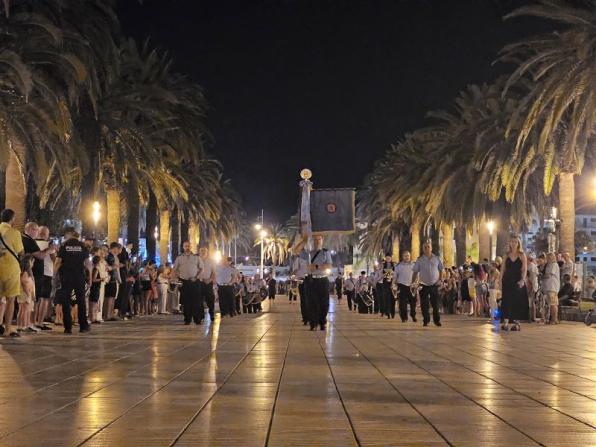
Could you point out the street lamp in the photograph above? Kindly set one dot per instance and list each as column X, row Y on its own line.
column 95, row 215
column 258, row 227
column 491, row 227
column 263, row 235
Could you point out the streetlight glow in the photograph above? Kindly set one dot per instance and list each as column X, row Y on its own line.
column 96, row 214
column 491, row 226
column 263, row 234
column 217, row 256
column 258, row 227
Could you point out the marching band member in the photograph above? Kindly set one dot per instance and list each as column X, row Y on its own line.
column 403, row 278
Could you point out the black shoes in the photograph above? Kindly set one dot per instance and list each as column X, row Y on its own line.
column 82, row 331
column 67, row 331
column 438, row 323
column 425, row 324
column 323, row 327
column 313, row 327
column 414, row 319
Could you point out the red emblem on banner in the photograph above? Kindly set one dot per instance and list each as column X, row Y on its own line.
column 331, row 208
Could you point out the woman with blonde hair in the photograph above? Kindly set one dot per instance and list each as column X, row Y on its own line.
column 514, row 302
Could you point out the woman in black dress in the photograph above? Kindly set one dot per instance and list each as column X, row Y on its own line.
column 514, row 303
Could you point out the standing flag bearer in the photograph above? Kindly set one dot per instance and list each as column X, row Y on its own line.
column 325, row 211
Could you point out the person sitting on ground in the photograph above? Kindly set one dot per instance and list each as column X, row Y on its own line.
column 567, row 292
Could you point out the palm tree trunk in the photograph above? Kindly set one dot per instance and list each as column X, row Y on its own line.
column 164, row 236
column 2, row 189
column 150, row 224
column 483, row 240
column 113, row 198
column 448, row 258
column 184, row 230
column 567, row 213
column 194, row 234
column 502, row 236
column 16, row 186
column 395, row 248
column 415, row 244
column 132, row 235
column 460, row 244
column 175, row 233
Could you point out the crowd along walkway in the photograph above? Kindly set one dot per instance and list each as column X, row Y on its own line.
column 258, row 380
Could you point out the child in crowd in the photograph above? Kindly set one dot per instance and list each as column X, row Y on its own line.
column 27, row 297
column 95, row 288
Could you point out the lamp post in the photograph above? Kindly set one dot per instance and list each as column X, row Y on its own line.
column 491, row 227
column 95, row 215
column 263, row 235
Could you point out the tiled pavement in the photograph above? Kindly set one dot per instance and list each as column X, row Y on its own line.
column 267, row 380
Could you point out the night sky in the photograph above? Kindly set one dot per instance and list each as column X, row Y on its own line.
column 324, row 84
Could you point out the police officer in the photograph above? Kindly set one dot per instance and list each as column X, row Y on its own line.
column 318, row 294
column 188, row 267
column 386, row 282
column 428, row 269
column 403, row 278
column 300, row 268
column 70, row 265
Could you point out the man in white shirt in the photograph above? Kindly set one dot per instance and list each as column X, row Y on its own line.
column 44, row 288
column 207, row 278
column 533, row 285
column 403, row 278
column 350, row 288
column 428, row 269
column 188, row 266
column 226, row 276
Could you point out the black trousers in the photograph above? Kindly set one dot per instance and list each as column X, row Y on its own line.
column 123, row 298
column 226, row 300
column 303, row 302
column 387, row 300
column 378, row 296
column 362, row 307
column 78, row 286
column 317, row 301
column 339, row 291
column 192, row 301
column 208, row 298
column 350, row 297
column 406, row 297
column 429, row 296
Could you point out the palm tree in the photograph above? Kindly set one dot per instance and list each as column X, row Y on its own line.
column 37, row 77
column 560, row 104
column 275, row 245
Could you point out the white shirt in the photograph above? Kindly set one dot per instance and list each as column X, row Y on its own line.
column 48, row 264
column 429, row 269
column 225, row 275
column 533, row 275
column 187, row 266
column 208, row 268
column 552, row 278
column 300, row 265
column 350, row 284
column 320, row 257
column 361, row 284
column 403, row 273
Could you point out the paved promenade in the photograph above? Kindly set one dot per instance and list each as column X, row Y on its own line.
column 258, row 380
